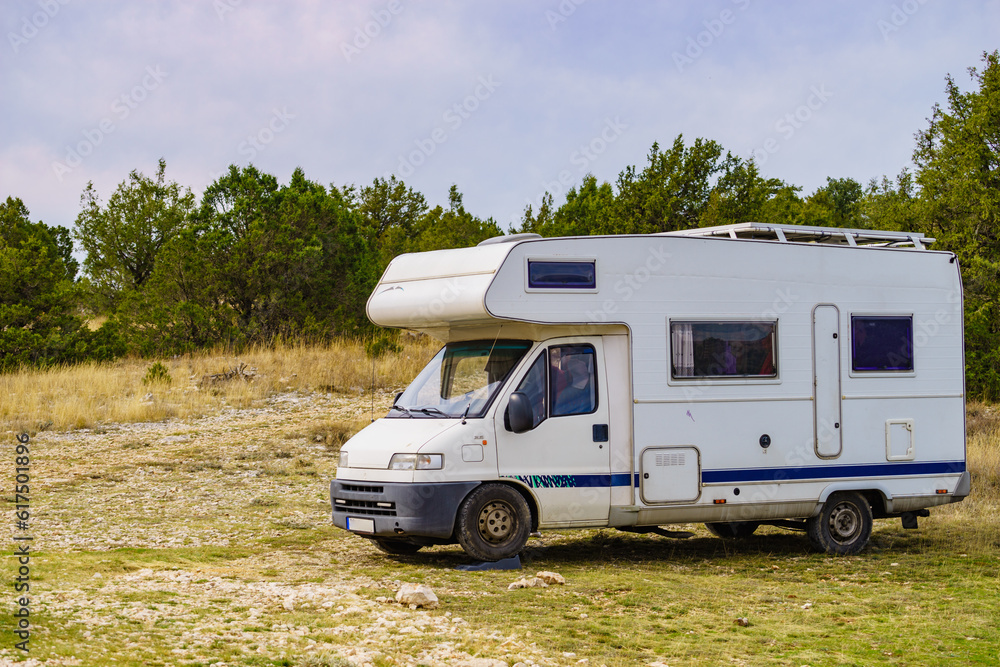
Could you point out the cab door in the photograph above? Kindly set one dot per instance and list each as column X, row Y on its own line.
column 565, row 458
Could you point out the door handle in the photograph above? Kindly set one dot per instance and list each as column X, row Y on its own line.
column 600, row 432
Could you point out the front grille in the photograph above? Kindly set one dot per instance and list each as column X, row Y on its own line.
column 365, row 507
column 358, row 488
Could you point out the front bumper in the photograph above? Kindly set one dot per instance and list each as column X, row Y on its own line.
column 394, row 509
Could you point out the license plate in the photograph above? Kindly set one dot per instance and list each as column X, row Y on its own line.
column 361, row 525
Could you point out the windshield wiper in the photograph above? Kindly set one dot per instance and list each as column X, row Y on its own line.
column 401, row 409
column 432, row 411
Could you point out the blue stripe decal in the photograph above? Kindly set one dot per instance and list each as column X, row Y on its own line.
column 827, row 472
column 731, row 475
column 574, row 481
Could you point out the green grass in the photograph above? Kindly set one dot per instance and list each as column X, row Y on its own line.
column 911, row 599
column 275, row 584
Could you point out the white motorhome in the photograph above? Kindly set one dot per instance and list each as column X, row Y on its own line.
column 805, row 377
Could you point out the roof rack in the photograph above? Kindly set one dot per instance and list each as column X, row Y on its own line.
column 805, row 234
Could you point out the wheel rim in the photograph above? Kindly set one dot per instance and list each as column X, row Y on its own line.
column 845, row 522
column 497, row 521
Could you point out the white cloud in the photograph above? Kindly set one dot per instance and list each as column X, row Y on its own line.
column 354, row 116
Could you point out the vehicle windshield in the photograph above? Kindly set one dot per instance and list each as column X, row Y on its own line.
column 461, row 380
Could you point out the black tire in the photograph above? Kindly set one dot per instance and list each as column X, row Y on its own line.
column 396, row 547
column 844, row 525
column 733, row 530
column 493, row 523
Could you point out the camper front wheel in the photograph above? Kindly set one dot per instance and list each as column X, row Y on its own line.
column 844, row 525
column 493, row 522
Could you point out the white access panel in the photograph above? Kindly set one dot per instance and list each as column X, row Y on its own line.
column 670, row 475
column 899, row 440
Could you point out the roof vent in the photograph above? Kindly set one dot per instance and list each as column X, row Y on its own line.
column 510, row 238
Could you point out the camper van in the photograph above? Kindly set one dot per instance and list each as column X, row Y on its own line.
column 752, row 374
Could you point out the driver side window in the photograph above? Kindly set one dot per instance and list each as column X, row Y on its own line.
column 572, row 380
column 561, row 381
column 533, row 386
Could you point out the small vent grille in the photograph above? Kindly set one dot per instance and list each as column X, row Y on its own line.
column 671, row 459
column 357, row 488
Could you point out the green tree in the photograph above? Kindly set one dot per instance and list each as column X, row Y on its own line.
column 540, row 222
column 672, row 192
column 123, row 239
column 451, row 227
column 890, row 206
column 39, row 324
column 958, row 172
column 742, row 194
column 585, row 211
column 837, row 204
column 255, row 263
column 391, row 212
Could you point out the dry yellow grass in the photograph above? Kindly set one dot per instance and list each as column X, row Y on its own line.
column 979, row 514
column 88, row 395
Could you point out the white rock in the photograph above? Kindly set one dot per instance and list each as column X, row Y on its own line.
column 534, row 582
column 417, row 595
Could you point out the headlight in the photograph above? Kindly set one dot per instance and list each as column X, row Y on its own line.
column 342, row 461
column 416, row 462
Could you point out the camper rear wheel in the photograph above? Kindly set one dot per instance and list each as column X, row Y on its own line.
column 733, row 530
column 844, row 525
column 493, row 522
column 396, row 547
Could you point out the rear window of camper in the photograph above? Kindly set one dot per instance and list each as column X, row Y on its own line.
column 723, row 350
column 881, row 343
column 543, row 274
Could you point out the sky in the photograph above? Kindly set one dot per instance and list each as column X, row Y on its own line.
column 506, row 100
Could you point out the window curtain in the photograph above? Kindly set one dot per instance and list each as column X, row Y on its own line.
column 682, row 347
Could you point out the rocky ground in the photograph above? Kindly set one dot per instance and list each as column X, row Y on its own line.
column 209, row 542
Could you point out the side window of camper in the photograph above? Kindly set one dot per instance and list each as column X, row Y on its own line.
column 723, row 349
column 562, row 275
column 882, row 343
column 572, row 380
column 533, row 385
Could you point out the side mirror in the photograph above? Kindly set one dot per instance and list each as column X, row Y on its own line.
column 519, row 413
column 396, row 400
